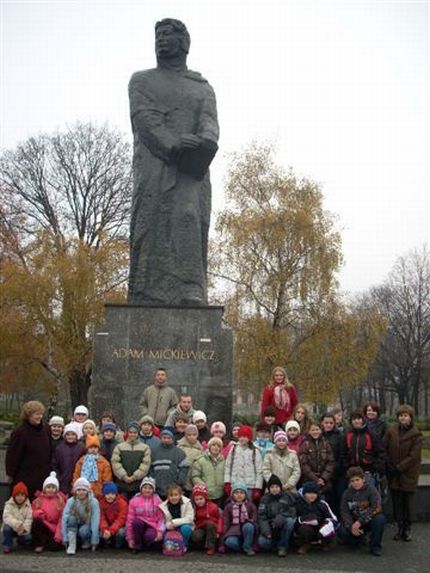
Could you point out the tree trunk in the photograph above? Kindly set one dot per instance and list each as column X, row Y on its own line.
column 79, row 384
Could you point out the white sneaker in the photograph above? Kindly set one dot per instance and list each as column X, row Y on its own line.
column 71, row 547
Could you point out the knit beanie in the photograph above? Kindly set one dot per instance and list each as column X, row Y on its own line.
column 167, row 432
column 81, row 483
column 56, row 420
column 311, row 487
column 146, row 418
column 280, row 435
column 199, row 415
column 89, row 423
column 239, row 484
column 73, row 427
column 215, row 440
column 18, row 488
column 81, row 410
column 200, row 490
column 292, row 424
column 262, row 427
column 274, row 480
column 51, row 480
column 191, row 429
column 133, row 425
column 109, row 487
column 92, row 441
column 147, row 481
column 220, row 426
column 245, row 432
column 108, row 426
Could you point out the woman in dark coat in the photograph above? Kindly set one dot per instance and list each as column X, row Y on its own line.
column 28, row 456
column 403, row 443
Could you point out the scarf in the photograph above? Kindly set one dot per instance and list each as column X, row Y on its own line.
column 282, row 397
column 89, row 468
column 239, row 513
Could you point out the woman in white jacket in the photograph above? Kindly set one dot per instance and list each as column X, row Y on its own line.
column 244, row 463
column 179, row 512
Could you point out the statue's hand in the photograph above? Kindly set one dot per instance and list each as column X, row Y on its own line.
column 190, row 141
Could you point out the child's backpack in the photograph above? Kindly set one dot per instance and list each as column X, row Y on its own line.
column 173, row 544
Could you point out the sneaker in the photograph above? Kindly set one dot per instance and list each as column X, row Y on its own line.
column 250, row 552
column 210, row 551
column 38, row 549
column 376, row 552
column 7, row 550
column 86, row 545
column 303, row 549
column 282, row 552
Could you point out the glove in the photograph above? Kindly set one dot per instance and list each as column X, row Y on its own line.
column 227, row 489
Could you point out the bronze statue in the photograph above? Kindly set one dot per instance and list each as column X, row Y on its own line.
column 175, row 129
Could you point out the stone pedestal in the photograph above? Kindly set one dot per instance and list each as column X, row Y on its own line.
column 190, row 343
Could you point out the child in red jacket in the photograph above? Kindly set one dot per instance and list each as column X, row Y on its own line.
column 113, row 515
column 207, row 518
column 47, row 510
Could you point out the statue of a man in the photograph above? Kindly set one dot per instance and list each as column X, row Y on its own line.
column 175, row 129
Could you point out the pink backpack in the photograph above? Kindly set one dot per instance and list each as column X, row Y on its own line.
column 173, row 544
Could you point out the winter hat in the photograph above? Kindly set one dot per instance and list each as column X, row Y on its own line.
column 191, row 429
column 218, row 426
column 167, row 432
column 81, row 483
column 51, row 480
column 269, row 411
column 215, row 440
column 199, row 415
column 56, row 420
column 73, row 427
column 109, row 487
column 200, row 490
column 89, row 423
column 147, row 419
column 292, row 424
column 109, row 426
column 18, row 488
column 245, row 432
column 92, row 441
column 311, row 487
column 239, row 484
column 133, row 425
column 280, row 435
column 274, row 480
column 81, row 410
column 147, row 481
column 262, row 427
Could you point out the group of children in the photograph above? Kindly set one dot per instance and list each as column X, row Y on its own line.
column 298, row 486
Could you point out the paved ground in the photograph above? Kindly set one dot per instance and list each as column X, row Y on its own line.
column 401, row 557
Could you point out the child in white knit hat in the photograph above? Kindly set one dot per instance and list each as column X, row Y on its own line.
column 47, row 509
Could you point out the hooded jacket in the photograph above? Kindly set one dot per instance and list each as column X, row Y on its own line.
column 209, row 471
column 284, row 464
column 16, row 515
column 49, row 509
column 147, row 510
column 84, row 512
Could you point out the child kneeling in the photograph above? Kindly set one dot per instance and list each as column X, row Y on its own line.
column 81, row 516
column 208, row 522
column 179, row 513
column 145, row 520
column 48, row 509
column 240, row 521
column 113, row 515
column 361, row 512
column 17, row 518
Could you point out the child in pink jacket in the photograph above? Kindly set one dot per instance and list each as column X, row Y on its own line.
column 145, row 520
column 47, row 509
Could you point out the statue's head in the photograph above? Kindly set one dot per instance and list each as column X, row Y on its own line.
column 171, row 38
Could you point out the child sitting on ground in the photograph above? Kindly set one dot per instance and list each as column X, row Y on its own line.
column 361, row 512
column 48, row 507
column 17, row 518
column 145, row 520
column 178, row 512
column 113, row 515
column 315, row 519
column 276, row 517
column 240, row 521
column 81, row 516
column 208, row 521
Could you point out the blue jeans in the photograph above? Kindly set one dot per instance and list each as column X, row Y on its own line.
column 235, row 543
column 83, row 530
column 281, row 537
column 186, row 531
column 375, row 528
column 9, row 533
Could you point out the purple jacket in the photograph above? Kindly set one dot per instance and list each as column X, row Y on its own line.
column 64, row 461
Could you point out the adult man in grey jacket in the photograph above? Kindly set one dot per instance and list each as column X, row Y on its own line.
column 158, row 399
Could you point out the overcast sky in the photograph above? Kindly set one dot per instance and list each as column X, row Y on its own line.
column 342, row 86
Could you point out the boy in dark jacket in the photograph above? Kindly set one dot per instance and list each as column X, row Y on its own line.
column 315, row 519
column 316, row 458
column 113, row 515
column 331, row 433
column 169, row 464
column 361, row 512
column 276, row 517
column 108, row 440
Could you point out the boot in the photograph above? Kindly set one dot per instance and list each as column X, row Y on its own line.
column 406, row 531
column 71, row 539
column 399, row 534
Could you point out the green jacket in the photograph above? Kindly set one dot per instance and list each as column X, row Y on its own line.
column 209, row 471
column 130, row 459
